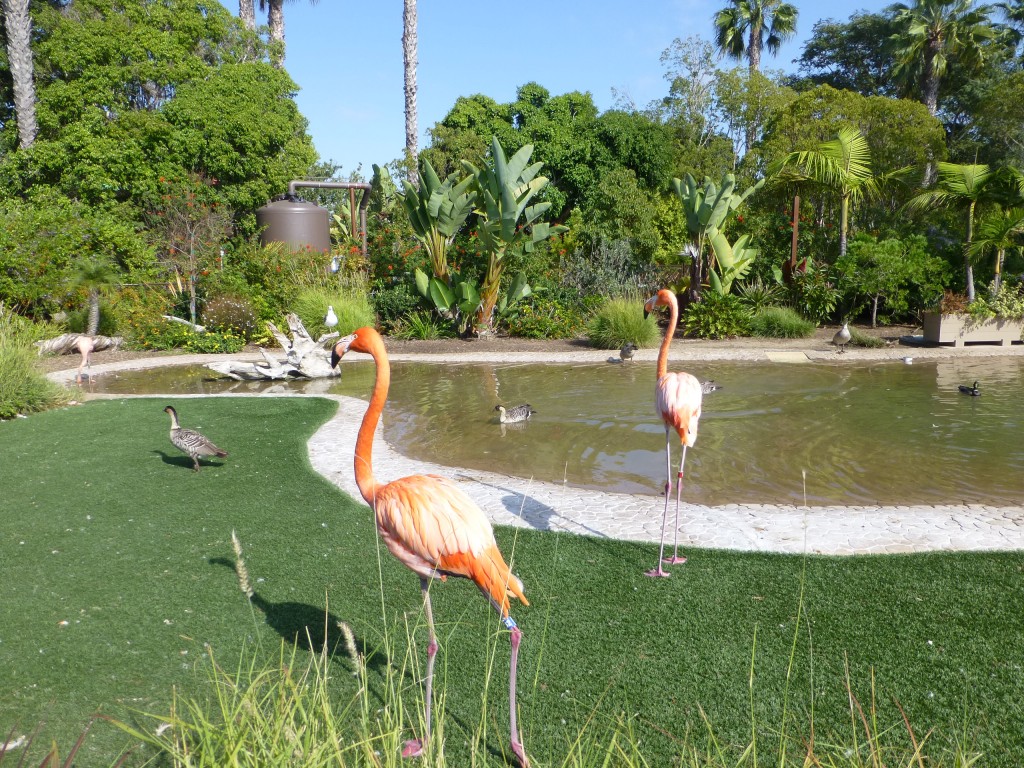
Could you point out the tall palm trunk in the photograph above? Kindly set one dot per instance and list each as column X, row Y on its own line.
column 754, row 66
column 409, row 53
column 968, row 268
column 93, row 324
column 275, row 18
column 19, row 52
column 247, row 13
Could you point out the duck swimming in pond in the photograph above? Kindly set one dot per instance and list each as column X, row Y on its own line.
column 970, row 390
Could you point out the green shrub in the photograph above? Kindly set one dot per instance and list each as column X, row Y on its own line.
column 621, row 320
column 351, row 306
column 391, row 303
column 422, row 326
column 609, row 269
column 550, row 315
column 231, row 314
column 780, row 323
column 716, row 317
column 23, row 387
column 813, row 293
column 168, row 335
column 757, row 294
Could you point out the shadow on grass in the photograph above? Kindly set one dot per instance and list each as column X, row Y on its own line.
column 310, row 628
column 186, row 462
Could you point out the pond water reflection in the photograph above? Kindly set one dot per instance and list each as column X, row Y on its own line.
column 873, row 433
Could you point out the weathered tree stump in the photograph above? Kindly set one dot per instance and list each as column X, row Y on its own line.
column 304, row 357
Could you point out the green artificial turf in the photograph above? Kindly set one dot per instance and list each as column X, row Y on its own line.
column 116, row 567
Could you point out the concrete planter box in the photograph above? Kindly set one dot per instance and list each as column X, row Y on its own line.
column 959, row 329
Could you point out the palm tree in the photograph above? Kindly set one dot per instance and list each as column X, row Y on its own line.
column 998, row 232
column 275, row 19
column 94, row 276
column 842, row 164
column 764, row 24
column 409, row 54
column 933, row 34
column 745, row 27
column 19, row 54
column 960, row 186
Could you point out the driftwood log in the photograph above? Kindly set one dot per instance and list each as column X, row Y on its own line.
column 304, row 357
column 67, row 343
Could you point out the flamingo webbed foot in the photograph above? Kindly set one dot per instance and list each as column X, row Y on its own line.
column 524, row 761
column 675, row 560
column 412, row 748
column 657, row 573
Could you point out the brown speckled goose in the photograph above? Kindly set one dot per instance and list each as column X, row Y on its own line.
column 514, row 415
column 191, row 442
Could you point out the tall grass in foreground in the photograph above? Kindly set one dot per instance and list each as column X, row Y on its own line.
column 290, row 714
column 621, row 320
column 24, row 388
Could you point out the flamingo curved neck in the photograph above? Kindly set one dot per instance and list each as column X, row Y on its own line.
column 668, row 298
column 364, row 440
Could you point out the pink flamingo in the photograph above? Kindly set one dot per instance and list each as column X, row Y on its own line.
column 677, row 396
column 435, row 530
column 85, row 346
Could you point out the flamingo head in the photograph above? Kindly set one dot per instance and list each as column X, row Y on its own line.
column 359, row 341
column 663, row 298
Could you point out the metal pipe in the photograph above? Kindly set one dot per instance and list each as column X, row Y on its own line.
column 364, row 201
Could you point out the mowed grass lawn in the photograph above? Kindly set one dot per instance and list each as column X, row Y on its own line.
column 116, row 573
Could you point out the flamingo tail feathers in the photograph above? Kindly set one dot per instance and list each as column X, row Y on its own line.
column 490, row 573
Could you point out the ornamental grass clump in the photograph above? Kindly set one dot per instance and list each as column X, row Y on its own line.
column 780, row 323
column 621, row 320
column 23, row 387
column 352, row 308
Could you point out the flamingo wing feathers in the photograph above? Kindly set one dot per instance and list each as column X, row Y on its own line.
column 435, row 529
column 678, row 398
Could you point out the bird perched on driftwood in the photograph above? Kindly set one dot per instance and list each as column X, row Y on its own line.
column 330, row 319
column 970, row 390
column 627, row 351
column 514, row 415
column 194, row 443
column 842, row 338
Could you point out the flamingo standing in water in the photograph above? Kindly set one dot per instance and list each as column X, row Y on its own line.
column 677, row 396
column 435, row 530
column 85, row 346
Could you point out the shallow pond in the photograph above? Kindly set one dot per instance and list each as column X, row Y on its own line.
column 873, row 433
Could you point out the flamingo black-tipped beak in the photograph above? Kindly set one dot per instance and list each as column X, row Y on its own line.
column 649, row 306
column 340, row 349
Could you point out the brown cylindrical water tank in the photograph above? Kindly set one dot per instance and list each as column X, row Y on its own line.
column 293, row 221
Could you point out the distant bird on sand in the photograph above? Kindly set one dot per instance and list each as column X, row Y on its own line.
column 330, row 319
column 842, row 338
column 677, row 397
column 514, row 415
column 85, row 346
column 627, row 351
column 435, row 530
column 194, row 443
column 707, row 387
column 970, row 390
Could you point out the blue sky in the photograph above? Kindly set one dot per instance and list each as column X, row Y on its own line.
column 347, row 58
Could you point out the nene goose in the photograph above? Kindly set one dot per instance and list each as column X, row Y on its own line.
column 191, row 442
column 842, row 337
column 514, row 415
